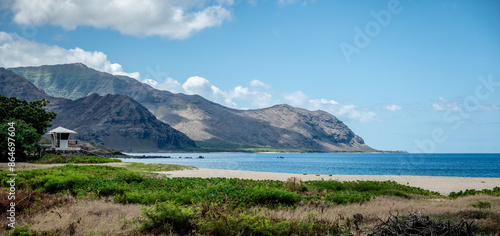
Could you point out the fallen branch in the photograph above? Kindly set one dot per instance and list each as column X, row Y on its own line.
column 414, row 224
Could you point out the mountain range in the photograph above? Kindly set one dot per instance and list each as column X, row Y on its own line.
column 210, row 125
column 116, row 121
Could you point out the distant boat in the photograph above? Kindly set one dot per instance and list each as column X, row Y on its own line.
column 201, row 157
column 281, row 157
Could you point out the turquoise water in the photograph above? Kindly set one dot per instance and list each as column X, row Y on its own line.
column 463, row 165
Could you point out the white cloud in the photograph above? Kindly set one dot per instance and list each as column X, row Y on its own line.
column 488, row 107
column 257, row 83
column 392, row 107
column 289, row 2
column 203, row 87
column 17, row 51
column 257, row 94
column 343, row 111
column 445, row 105
column 151, row 82
column 177, row 19
column 461, row 106
column 170, row 85
column 297, row 98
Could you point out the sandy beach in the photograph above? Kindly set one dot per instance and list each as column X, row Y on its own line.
column 443, row 185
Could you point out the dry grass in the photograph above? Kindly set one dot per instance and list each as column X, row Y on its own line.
column 380, row 208
column 87, row 217
column 28, row 203
column 103, row 217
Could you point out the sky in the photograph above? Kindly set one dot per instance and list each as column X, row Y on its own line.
column 420, row 76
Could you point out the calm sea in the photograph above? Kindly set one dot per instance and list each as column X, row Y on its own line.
column 464, row 165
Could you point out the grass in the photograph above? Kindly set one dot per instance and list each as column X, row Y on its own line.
column 216, row 220
column 53, row 159
column 220, row 206
column 136, row 166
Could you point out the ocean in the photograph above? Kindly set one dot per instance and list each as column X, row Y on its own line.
column 458, row 165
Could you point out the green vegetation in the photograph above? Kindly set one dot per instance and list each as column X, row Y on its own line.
column 471, row 192
column 156, row 167
column 52, row 159
column 482, row 205
column 129, row 186
column 216, row 220
column 362, row 191
column 216, row 206
column 27, row 121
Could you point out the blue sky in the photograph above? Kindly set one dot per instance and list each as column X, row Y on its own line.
column 421, row 76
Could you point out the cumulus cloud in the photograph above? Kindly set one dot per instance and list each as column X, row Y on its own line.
column 350, row 112
column 17, row 51
column 297, row 98
column 177, row 19
column 257, row 94
column 392, row 107
column 203, row 87
column 150, row 82
column 170, row 85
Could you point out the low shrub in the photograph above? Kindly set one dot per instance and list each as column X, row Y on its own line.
column 471, row 192
column 374, row 188
column 167, row 217
column 482, row 205
column 344, row 198
column 56, row 158
column 272, row 197
column 207, row 219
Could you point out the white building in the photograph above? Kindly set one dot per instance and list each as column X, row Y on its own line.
column 61, row 139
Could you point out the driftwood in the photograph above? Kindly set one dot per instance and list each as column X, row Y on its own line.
column 415, row 224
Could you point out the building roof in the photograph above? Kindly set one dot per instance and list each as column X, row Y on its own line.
column 61, row 130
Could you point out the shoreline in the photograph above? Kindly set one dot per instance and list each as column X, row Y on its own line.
column 441, row 184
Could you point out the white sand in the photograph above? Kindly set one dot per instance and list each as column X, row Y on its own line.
column 443, row 185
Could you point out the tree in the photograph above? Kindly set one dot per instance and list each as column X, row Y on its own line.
column 23, row 136
column 29, row 120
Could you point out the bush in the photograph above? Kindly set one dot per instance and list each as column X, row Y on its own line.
column 53, row 158
column 23, row 230
column 206, row 219
column 165, row 217
column 344, row 198
column 482, row 205
column 470, row 192
column 272, row 197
